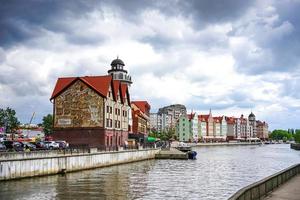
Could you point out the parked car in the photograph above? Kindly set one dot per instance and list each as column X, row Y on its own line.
column 27, row 145
column 51, row 145
column 40, row 145
column 14, row 146
column 2, row 147
column 62, row 144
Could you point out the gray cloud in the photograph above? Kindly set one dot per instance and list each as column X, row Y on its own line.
column 22, row 21
column 275, row 35
column 55, row 27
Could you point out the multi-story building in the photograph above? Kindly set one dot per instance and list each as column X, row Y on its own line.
column 217, row 127
column 140, row 120
column 193, row 119
column 182, row 129
column 231, row 133
column 170, row 115
column 202, row 126
column 252, row 124
column 91, row 110
column 262, row 130
column 160, row 121
column 154, row 118
column 223, row 128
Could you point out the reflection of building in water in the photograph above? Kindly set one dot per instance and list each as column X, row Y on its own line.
column 115, row 182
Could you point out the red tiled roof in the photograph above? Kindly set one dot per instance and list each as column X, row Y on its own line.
column 116, row 88
column 217, row 119
column 203, row 117
column 142, row 105
column 191, row 116
column 124, row 92
column 61, row 84
column 230, row 120
column 98, row 83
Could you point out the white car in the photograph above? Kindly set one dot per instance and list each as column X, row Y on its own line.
column 51, row 145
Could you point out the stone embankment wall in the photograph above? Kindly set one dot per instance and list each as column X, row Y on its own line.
column 260, row 189
column 34, row 164
column 295, row 146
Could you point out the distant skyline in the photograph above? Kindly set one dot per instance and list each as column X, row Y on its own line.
column 231, row 56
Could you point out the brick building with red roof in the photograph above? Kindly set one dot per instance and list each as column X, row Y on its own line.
column 140, row 119
column 92, row 111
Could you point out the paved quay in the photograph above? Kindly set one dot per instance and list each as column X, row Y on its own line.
column 171, row 153
column 288, row 191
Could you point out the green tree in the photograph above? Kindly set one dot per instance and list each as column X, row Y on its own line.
column 48, row 124
column 8, row 119
column 281, row 135
column 297, row 136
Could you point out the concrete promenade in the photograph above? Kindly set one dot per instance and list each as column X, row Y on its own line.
column 288, row 191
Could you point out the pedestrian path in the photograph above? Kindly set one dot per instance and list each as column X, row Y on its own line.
column 288, row 191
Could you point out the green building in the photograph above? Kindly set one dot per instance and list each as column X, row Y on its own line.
column 183, row 129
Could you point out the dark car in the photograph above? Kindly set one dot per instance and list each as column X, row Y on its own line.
column 27, row 145
column 17, row 146
column 2, row 147
column 13, row 146
column 8, row 144
column 40, row 145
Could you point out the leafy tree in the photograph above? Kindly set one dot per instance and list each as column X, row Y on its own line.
column 281, row 135
column 297, row 136
column 48, row 124
column 8, row 119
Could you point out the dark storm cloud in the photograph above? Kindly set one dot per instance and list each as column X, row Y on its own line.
column 203, row 12
column 22, row 20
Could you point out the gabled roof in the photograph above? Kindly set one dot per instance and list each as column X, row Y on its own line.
column 203, row 117
column 125, row 92
column 61, row 84
column 230, row 120
column 217, row 119
column 99, row 84
column 191, row 116
column 142, row 105
column 116, row 89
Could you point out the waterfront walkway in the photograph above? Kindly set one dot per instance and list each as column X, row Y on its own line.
column 288, row 191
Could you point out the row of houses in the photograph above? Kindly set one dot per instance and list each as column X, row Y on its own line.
column 194, row 128
column 96, row 111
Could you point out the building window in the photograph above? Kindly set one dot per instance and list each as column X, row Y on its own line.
column 110, row 122
column 107, row 109
column 124, row 113
column 107, row 123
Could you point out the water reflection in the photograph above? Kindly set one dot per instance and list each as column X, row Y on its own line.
column 216, row 174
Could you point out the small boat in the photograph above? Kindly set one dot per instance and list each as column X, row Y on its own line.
column 192, row 155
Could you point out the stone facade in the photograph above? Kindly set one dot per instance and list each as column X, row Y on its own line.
column 78, row 106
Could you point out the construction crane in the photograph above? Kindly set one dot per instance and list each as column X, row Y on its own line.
column 31, row 118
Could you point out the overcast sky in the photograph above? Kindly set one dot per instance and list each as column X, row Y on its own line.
column 231, row 56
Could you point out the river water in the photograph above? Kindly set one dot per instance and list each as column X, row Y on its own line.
column 217, row 173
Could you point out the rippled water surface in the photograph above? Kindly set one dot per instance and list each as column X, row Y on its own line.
column 217, row 173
